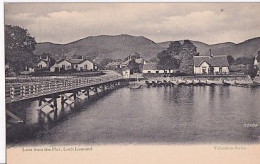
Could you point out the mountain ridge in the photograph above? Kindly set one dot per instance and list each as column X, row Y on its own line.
column 120, row 46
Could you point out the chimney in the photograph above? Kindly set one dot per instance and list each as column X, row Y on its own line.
column 210, row 53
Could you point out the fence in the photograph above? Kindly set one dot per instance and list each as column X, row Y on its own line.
column 20, row 91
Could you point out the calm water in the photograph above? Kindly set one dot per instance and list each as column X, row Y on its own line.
column 183, row 114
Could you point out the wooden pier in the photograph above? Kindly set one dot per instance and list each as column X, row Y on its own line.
column 47, row 92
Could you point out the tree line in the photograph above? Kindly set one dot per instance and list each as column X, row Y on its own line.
column 178, row 56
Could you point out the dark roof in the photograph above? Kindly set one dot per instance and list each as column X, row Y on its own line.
column 139, row 61
column 43, row 61
column 150, row 66
column 213, row 61
column 62, row 60
column 125, row 68
column 258, row 65
column 75, row 61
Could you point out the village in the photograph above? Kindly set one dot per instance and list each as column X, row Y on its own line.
column 134, row 67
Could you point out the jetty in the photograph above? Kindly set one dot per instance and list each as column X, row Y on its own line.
column 47, row 92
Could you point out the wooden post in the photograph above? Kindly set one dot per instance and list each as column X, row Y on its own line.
column 34, row 90
column 42, row 86
column 24, row 91
column 12, row 93
column 96, row 90
column 40, row 102
column 55, row 108
column 75, row 96
column 49, row 86
column 103, row 87
column 62, row 101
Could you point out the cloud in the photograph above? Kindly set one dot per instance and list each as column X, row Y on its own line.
column 210, row 23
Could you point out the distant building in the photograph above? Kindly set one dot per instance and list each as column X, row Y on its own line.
column 61, row 65
column 73, row 64
column 126, row 72
column 211, row 65
column 152, row 68
column 141, row 61
column 257, row 64
column 114, row 65
column 44, row 62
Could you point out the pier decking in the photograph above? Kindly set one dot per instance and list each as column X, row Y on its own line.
column 21, row 91
column 47, row 91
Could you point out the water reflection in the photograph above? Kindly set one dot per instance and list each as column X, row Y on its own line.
column 184, row 114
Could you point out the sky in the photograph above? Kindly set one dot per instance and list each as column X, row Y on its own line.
column 207, row 22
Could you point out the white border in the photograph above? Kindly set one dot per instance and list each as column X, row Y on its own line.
column 2, row 72
column 2, row 88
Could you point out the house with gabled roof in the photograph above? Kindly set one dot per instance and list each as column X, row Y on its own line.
column 44, row 62
column 211, row 64
column 73, row 64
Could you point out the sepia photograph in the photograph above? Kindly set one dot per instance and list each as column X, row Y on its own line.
column 80, row 76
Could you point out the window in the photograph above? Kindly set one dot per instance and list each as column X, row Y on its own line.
column 220, row 69
column 157, row 71
column 204, row 70
column 63, row 66
column 149, row 71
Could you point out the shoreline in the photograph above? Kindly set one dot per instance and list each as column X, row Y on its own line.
column 239, row 80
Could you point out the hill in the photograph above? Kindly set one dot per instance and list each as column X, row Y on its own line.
column 248, row 48
column 119, row 46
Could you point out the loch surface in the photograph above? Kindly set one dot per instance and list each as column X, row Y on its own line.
column 163, row 115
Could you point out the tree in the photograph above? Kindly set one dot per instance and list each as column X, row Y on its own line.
column 52, row 60
column 134, row 67
column 188, row 51
column 104, row 62
column 166, row 61
column 153, row 59
column 174, row 48
column 19, row 46
column 245, row 60
column 230, row 59
column 258, row 56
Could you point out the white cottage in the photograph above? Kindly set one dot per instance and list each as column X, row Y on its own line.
column 63, row 64
column 126, row 72
column 211, row 65
column 84, row 65
column 76, row 64
column 42, row 64
column 152, row 68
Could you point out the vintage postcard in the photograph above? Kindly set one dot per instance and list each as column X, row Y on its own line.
column 132, row 82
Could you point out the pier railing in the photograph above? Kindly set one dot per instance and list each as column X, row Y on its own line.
column 21, row 91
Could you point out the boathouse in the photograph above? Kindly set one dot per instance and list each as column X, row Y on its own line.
column 211, row 64
column 152, row 68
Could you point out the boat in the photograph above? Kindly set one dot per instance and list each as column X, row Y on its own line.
column 225, row 83
column 135, row 86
